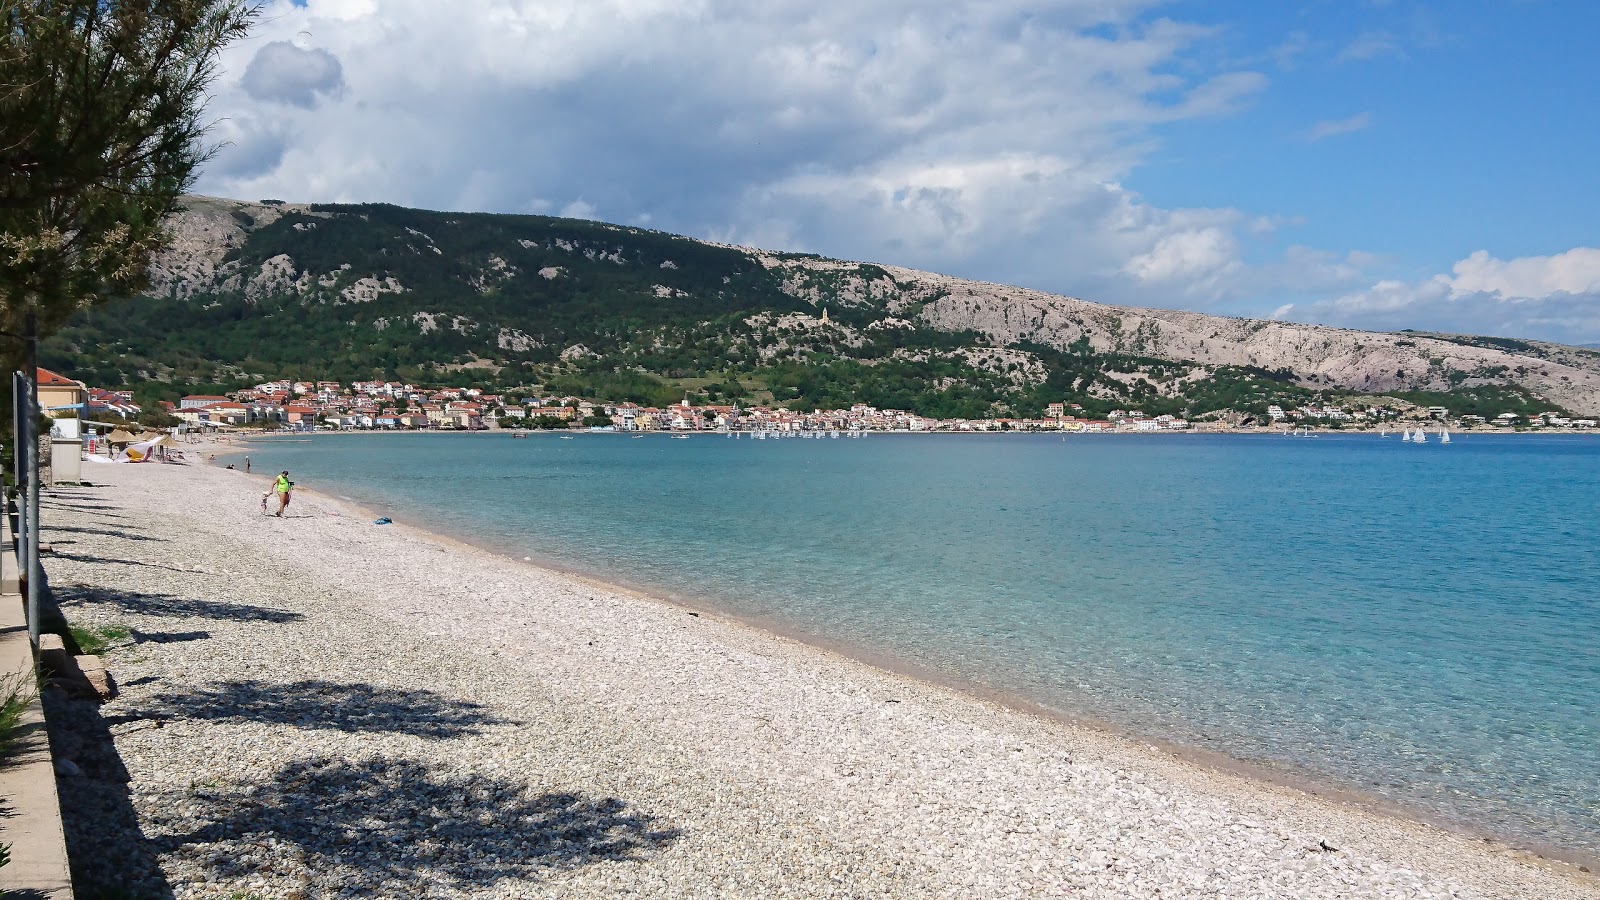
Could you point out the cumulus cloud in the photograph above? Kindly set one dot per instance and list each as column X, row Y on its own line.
column 1576, row 271
column 1553, row 297
column 285, row 73
column 988, row 140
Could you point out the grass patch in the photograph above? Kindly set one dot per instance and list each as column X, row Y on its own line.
column 96, row 639
column 17, row 690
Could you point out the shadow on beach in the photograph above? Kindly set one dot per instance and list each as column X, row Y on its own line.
column 167, row 637
column 166, row 605
column 51, row 529
column 113, row 561
column 382, row 826
column 325, row 705
column 108, row 851
column 99, row 511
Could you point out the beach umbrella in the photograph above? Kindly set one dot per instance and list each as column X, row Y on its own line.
column 120, row 436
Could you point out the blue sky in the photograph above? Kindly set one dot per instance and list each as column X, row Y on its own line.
column 1470, row 126
column 1372, row 164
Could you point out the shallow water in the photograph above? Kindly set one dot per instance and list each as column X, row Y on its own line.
column 1413, row 622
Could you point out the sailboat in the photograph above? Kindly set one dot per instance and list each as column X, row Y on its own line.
column 1406, row 436
column 1421, row 437
column 1444, row 435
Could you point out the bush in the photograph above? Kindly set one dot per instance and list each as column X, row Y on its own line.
column 17, row 691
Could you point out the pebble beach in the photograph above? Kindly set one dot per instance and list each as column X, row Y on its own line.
column 318, row 706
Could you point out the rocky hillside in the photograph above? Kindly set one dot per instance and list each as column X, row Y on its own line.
column 255, row 289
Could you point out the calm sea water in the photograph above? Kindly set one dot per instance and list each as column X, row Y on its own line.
column 1418, row 623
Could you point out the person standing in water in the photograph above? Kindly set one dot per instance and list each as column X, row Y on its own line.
column 283, row 486
column 247, row 465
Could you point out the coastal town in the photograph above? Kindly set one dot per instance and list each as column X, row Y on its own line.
column 397, row 406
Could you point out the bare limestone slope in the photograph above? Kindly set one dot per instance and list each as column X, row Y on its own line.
column 1319, row 355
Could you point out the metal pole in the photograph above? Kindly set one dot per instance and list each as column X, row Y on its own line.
column 32, row 426
column 19, row 460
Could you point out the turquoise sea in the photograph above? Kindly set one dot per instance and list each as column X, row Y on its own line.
column 1419, row 624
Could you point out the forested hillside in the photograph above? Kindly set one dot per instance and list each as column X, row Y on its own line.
column 264, row 290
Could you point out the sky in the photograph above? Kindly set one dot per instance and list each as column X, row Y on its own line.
column 1375, row 164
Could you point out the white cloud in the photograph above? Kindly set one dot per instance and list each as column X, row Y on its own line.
column 984, row 139
column 1550, row 297
column 1330, row 127
column 1576, row 271
column 1187, row 256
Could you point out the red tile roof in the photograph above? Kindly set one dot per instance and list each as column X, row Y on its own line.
column 45, row 377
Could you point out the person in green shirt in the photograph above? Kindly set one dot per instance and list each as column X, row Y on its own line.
column 284, row 487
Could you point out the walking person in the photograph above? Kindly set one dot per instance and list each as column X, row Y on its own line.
column 247, row 465
column 283, row 486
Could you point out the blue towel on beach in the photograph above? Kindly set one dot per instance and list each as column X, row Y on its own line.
column 381, row 520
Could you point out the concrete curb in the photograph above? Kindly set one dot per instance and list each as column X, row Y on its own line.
column 32, row 824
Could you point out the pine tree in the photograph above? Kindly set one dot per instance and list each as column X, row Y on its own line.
column 101, row 130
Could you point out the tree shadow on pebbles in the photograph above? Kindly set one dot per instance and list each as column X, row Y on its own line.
column 106, row 844
column 166, row 605
column 113, row 561
column 124, row 535
column 326, row 705
column 379, row 827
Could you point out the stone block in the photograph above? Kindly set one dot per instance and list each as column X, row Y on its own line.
column 53, row 656
column 97, row 676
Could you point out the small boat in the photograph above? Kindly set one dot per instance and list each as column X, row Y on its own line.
column 1421, row 437
column 1406, row 435
column 1444, row 435
column 637, row 437
column 680, row 437
column 566, row 437
column 518, row 434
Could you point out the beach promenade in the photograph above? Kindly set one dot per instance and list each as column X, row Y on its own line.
column 319, row 706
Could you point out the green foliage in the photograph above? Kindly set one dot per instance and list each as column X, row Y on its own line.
column 623, row 385
column 1487, row 400
column 100, row 132
column 153, row 417
column 96, row 639
column 17, row 691
column 1496, row 343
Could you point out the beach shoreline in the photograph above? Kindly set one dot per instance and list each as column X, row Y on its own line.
column 1310, row 784
column 1287, row 807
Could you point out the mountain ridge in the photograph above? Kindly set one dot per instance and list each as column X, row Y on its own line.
column 380, row 286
